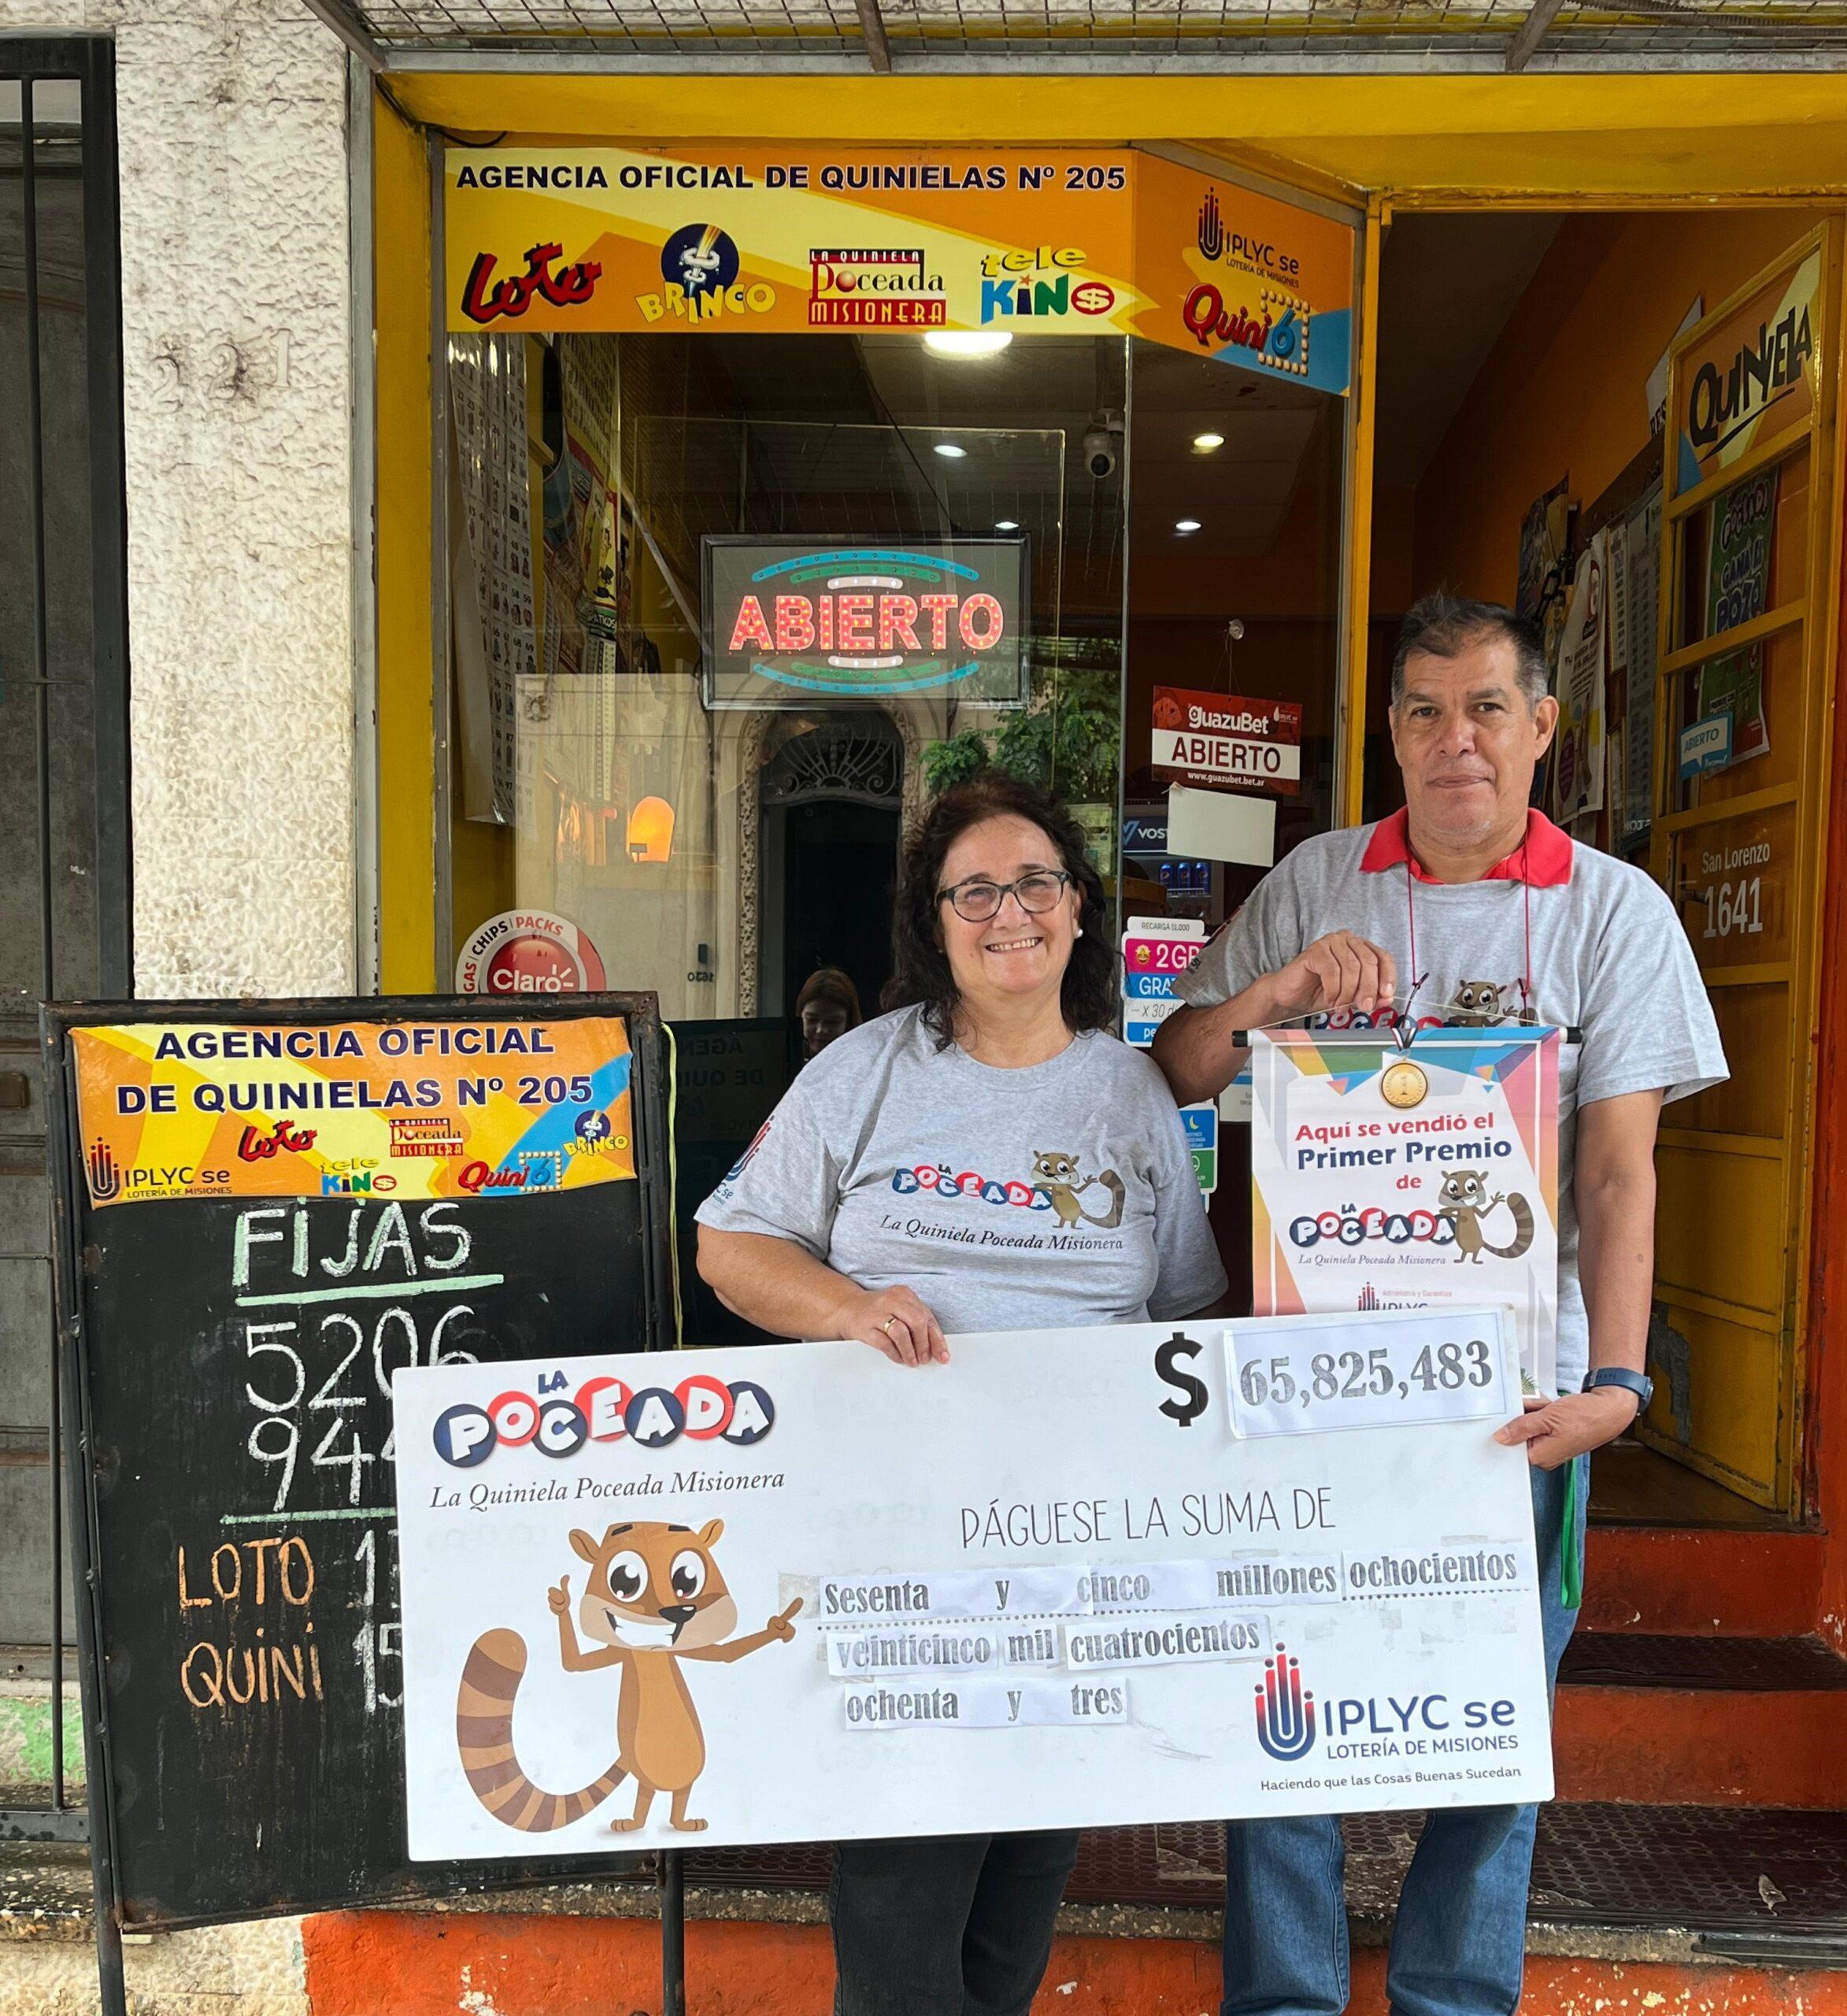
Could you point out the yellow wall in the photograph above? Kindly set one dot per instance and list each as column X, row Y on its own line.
column 1575, row 137
column 1561, row 394
column 407, row 836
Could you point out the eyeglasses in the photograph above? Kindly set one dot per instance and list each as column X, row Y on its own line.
column 977, row 901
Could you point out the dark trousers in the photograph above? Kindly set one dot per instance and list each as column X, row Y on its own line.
column 957, row 1925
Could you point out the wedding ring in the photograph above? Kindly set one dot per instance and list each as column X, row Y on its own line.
column 886, row 1326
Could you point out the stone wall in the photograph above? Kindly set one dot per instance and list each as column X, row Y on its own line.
column 237, row 393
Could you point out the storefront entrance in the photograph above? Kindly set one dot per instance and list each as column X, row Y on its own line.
column 1581, row 427
column 1164, row 444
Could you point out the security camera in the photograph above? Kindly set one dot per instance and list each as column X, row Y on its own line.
column 1100, row 452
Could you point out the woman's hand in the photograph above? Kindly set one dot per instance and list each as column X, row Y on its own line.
column 895, row 1321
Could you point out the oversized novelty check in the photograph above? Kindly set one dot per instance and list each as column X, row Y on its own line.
column 1074, row 1578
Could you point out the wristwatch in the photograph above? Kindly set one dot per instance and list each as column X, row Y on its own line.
column 1637, row 1383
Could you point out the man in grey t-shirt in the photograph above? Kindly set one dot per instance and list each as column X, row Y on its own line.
column 1466, row 907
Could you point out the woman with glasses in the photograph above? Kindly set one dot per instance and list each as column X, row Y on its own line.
column 985, row 1156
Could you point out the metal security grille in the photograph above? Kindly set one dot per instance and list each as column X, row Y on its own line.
column 922, row 35
column 64, row 840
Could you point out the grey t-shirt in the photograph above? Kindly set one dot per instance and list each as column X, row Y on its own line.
column 1058, row 1195
column 1607, row 956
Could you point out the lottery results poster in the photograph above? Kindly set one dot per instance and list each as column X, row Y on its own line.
column 1384, row 1179
column 412, row 1110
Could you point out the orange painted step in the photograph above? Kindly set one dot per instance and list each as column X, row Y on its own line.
column 1688, row 1721
column 1744, row 1584
column 432, row 1963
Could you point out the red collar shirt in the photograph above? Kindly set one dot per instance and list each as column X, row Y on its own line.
column 1555, row 933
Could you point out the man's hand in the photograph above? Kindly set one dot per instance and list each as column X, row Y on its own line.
column 1342, row 970
column 1555, row 1431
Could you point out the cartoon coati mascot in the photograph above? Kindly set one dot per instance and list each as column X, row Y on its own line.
column 1056, row 1174
column 653, row 1598
column 1463, row 1200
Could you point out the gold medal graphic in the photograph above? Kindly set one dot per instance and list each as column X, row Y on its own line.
column 1404, row 1084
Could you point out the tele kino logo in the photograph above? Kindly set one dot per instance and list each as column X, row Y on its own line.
column 604, row 1410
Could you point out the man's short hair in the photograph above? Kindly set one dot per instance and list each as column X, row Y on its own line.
column 1443, row 625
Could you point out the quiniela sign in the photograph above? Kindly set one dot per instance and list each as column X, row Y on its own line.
column 789, row 622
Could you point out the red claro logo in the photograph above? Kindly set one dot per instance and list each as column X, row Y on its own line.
column 529, row 952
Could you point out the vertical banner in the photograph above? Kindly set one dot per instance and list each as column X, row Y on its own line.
column 1383, row 1178
column 1642, row 543
column 1581, row 682
column 1738, row 590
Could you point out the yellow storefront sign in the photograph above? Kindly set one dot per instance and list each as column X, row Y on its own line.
column 405, row 1109
column 794, row 241
column 1756, row 373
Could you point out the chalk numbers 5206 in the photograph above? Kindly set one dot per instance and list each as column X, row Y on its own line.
column 332, row 1420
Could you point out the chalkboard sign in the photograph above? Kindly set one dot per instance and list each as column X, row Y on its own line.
column 262, row 1209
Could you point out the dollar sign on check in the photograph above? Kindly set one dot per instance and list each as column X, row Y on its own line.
column 1191, row 1391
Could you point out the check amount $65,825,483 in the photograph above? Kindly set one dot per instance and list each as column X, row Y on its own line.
column 1308, row 1375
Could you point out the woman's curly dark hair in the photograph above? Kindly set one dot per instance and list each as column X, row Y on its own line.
column 921, row 975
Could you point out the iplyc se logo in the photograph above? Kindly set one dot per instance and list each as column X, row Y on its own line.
column 1286, row 1715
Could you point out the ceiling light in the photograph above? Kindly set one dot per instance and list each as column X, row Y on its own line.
column 1206, row 442
column 953, row 449
column 967, row 343
column 1185, row 524
column 1006, row 524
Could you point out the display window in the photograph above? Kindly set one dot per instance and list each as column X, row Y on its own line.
column 785, row 486
column 787, row 489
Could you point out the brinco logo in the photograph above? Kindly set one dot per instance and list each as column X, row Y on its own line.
column 604, row 1410
column 1286, row 1715
column 106, row 1178
column 700, row 259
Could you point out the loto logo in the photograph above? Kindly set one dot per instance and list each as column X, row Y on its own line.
column 568, row 286
column 1286, row 1715
column 604, row 1410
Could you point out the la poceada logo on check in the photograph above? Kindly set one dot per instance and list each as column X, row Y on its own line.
column 558, row 1424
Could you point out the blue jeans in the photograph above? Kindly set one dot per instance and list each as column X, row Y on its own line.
column 1458, row 1939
